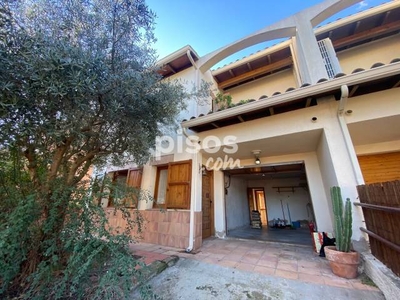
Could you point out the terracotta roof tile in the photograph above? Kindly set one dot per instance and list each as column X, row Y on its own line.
column 357, row 70
column 378, row 64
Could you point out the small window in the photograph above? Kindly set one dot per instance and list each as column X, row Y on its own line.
column 161, row 187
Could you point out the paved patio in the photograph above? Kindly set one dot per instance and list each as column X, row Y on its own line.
column 299, row 236
column 274, row 259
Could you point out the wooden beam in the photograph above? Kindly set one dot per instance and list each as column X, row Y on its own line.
column 386, row 16
column 215, row 125
column 271, row 111
column 353, row 90
column 171, row 68
column 308, row 102
column 356, row 27
column 231, row 72
column 393, row 26
column 257, row 72
column 397, row 84
column 241, row 119
column 249, row 66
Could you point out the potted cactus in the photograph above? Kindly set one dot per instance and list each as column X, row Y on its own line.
column 342, row 259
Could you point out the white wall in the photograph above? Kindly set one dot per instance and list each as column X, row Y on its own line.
column 237, row 208
column 189, row 80
column 297, row 200
column 364, row 56
column 327, row 169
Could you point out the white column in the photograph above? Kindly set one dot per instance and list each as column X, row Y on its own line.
column 310, row 63
column 148, row 186
column 219, row 204
column 343, row 168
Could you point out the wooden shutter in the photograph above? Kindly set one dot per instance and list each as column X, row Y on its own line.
column 178, row 187
column 134, row 179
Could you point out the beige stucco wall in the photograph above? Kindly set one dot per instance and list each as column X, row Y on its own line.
column 374, row 106
column 364, row 56
column 377, row 148
column 278, row 82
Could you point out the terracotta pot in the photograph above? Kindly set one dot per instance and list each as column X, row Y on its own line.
column 343, row 264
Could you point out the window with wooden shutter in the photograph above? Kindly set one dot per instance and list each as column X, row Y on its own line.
column 173, row 185
column 178, row 187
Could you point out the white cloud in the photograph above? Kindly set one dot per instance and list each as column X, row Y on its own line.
column 362, row 4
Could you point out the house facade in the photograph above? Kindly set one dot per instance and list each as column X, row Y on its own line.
column 320, row 109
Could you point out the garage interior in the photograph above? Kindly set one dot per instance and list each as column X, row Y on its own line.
column 276, row 196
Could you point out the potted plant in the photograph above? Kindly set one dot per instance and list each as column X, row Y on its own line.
column 222, row 101
column 342, row 259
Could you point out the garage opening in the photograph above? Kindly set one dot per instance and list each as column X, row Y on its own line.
column 270, row 203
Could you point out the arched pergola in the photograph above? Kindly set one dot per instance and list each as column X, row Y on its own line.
column 286, row 28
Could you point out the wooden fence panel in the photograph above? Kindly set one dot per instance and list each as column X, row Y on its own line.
column 383, row 223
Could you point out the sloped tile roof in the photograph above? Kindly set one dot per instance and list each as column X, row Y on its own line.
column 302, row 100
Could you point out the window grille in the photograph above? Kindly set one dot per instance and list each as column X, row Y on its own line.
column 328, row 53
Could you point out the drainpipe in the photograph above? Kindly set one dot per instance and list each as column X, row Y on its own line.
column 191, row 221
column 195, row 162
column 189, row 55
column 345, row 131
column 191, row 224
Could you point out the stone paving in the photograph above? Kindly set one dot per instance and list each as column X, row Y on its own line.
column 274, row 259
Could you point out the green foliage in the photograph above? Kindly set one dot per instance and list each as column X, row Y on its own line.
column 81, row 257
column 78, row 88
column 223, row 101
column 343, row 220
column 243, row 102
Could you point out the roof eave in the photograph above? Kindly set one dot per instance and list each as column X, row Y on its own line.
column 178, row 53
column 251, row 57
column 356, row 17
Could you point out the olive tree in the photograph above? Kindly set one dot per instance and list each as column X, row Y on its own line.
column 78, row 88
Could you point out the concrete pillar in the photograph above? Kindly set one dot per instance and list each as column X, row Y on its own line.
column 219, row 205
column 148, row 187
column 310, row 63
column 343, row 168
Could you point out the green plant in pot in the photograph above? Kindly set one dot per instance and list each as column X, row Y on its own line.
column 222, row 101
column 342, row 259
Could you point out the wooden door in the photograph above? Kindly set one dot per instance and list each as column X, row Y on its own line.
column 260, row 198
column 250, row 199
column 178, row 187
column 256, row 199
column 207, row 206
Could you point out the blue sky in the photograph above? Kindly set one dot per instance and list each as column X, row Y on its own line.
column 207, row 25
